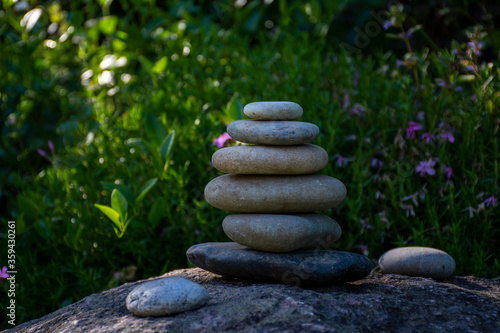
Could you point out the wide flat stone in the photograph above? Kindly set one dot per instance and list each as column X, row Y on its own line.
column 281, row 233
column 280, row 133
column 274, row 194
column 167, row 296
column 418, row 261
column 270, row 160
column 273, row 110
column 303, row 268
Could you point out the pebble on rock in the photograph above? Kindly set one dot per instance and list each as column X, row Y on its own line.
column 166, row 296
column 417, row 261
column 309, row 268
column 270, row 160
column 273, row 110
column 281, row 233
column 275, row 194
column 280, row 133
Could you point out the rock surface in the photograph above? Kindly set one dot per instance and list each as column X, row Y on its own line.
column 270, row 160
column 165, row 297
column 274, row 194
column 304, row 267
column 280, row 133
column 378, row 303
column 273, row 110
column 281, row 233
column 418, row 261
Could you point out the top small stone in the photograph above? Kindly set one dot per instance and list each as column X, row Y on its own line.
column 273, row 111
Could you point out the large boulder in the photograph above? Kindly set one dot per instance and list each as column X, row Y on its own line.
column 378, row 303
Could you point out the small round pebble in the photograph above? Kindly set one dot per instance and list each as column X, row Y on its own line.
column 273, row 110
column 417, row 261
column 167, row 296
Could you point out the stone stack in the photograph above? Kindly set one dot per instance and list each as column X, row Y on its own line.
column 273, row 188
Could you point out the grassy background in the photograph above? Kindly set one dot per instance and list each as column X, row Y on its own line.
column 190, row 67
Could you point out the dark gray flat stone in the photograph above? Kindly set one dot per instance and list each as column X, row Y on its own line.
column 308, row 268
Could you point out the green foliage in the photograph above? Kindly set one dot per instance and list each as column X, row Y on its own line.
column 131, row 95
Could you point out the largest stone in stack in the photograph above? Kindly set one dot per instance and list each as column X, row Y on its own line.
column 273, row 187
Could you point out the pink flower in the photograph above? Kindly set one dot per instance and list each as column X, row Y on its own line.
column 412, row 127
column 491, row 200
column 365, row 225
column 3, row 273
column 364, row 249
column 447, row 137
column 426, row 167
column 427, row 137
column 471, row 211
column 408, row 208
column 448, row 172
column 376, row 163
column 358, row 110
column 341, row 161
column 221, row 140
column 51, row 147
column 42, row 152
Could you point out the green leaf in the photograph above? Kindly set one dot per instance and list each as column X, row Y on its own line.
column 157, row 212
column 119, row 203
column 42, row 229
column 123, row 190
column 145, row 189
column 111, row 214
column 154, row 129
column 27, row 206
column 155, row 155
column 233, row 111
column 148, row 65
column 108, row 25
column 160, row 65
column 166, row 148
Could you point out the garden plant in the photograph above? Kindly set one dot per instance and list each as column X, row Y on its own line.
column 111, row 110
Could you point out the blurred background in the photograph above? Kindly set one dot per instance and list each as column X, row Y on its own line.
column 117, row 103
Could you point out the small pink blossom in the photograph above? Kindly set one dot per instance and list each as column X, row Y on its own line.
column 364, row 249
column 412, row 127
column 51, row 147
column 3, row 273
column 427, row 137
column 471, row 211
column 491, row 200
column 448, row 172
column 221, row 140
column 358, row 110
column 341, row 161
column 42, row 152
column 447, row 137
column 426, row 167
column 408, row 208
column 376, row 163
column 365, row 225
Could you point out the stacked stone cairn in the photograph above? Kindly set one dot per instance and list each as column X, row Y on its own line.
column 272, row 187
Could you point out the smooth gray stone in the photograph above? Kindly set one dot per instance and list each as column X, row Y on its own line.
column 303, row 268
column 279, row 133
column 270, row 160
column 165, row 297
column 281, row 233
column 275, row 194
column 418, row 261
column 273, row 110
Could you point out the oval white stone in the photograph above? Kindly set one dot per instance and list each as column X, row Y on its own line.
column 275, row 194
column 417, row 261
column 280, row 133
column 165, row 297
column 281, row 233
column 273, row 110
column 270, row 160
